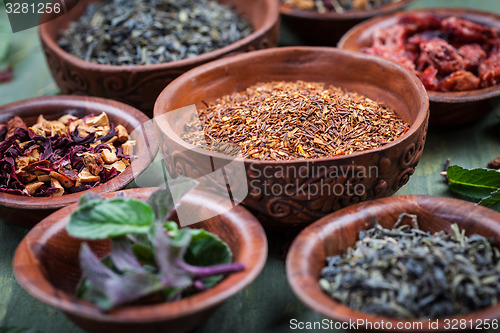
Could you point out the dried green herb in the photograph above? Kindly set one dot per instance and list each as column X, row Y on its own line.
column 405, row 272
column 150, row 258
column 293, row 120
column 143, row 32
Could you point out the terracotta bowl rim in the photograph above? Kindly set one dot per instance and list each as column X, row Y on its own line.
column 326, row 306
column 271, row 18
column 120, row 181
column 165, row 128
column 239, row 218
column 349, row 15
column 434, row 96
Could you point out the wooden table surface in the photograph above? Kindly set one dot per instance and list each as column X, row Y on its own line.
column 268, row 304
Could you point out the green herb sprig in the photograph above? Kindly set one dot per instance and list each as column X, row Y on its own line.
column 149, row 257
column 479, row 185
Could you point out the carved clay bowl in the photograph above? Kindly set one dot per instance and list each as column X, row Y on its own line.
column 46, row 265
column 325, row 29
column 339, row 231
column 447, row 108
column 140, row 85
column 27, row 211
column 378, row 172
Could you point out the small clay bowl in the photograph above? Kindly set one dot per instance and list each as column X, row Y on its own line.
column 139, row 85
column 374, row 77
column 447, row 108
column 27, row 211
column 325, row 29
column 46, row 265
column 340, row 230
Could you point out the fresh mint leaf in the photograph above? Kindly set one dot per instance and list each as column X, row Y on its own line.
column 101, row 219
column 473, row 183
column 163, row 200
column 172, row 228
column 206, row 249
column 492, row 201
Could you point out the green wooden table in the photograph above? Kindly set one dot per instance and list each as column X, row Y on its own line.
column 268, row 304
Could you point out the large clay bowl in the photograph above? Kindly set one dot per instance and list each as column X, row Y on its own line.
column 140, row 85
column 46, row 265
column 27, row 211
column 327, row 28
column 447, row 108
column 289, row 206
column 340, row 230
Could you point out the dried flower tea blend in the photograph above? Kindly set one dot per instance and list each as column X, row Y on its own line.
column 63, row 156
column 446, row 53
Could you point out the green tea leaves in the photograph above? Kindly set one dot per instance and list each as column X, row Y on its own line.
column 478, row 184
column 101, row 219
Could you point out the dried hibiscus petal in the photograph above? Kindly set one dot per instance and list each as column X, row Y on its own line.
column 429, row 78
column 463, row 31
column 489, row 71
column 442, row 56
column 459, row 81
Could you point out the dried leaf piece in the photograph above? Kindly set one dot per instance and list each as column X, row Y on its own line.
column 119, row 166
column 32, row 187
column 101, row 120
column 128, row 147
column 13, row 124
column 122, row 134
column 85, row 176
column 57, row 185
column 65, row 120
column 63, row 180
column 494, row 164
column 108, row 156
column 93, row 162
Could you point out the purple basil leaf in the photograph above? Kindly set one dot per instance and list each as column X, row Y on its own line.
column 94, row 270
column 123, row 257
column 166, row 255
column 204, row 272
column 131, row 287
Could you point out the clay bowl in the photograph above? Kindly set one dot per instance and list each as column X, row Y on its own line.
column 325, row 29
column 340, row 230
column 46, row 265
column 447, row 108
column 139, row 85
column 27, row 211
column 288, row 206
